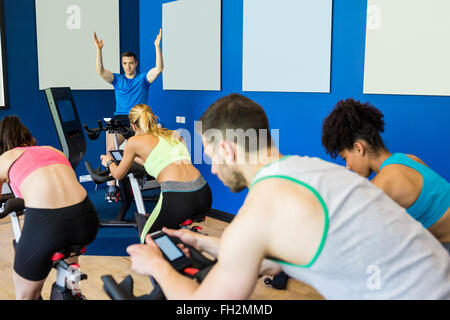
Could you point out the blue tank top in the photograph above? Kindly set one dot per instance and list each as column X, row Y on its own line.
column 434, row 198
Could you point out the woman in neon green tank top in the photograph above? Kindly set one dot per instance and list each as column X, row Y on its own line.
column 352, row 130
column 184, row 192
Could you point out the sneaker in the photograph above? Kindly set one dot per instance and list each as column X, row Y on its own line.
column 112, row 194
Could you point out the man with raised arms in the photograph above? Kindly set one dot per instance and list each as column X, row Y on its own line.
column 131, row 88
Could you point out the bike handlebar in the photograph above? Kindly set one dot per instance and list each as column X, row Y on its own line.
column 114, row 291
column 112, row 126
column 98, row 176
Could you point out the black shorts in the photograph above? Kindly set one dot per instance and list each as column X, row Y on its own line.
column 46, row 231
column 177, row 206
column 123, row 120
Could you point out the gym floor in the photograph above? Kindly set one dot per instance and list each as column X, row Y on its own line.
column 119, row 267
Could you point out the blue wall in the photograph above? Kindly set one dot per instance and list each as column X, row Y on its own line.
column 414, row 124
column 25, row 98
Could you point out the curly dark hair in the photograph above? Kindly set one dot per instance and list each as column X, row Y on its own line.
column 350, row 121
column 14, row 134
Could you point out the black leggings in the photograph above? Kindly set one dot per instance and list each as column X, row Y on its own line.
column 178, row 206
column 46, row 231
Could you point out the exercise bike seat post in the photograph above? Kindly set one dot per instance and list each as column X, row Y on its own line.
column 112, row 127
column 68, row 277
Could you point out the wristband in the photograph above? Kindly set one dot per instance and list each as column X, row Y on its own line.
column 109, row 163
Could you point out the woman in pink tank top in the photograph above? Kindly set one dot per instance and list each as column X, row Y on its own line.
column 58, row 212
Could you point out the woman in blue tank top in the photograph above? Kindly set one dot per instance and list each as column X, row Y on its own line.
column 352, row 131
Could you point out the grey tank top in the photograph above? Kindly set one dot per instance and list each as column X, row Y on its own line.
column 371, row 247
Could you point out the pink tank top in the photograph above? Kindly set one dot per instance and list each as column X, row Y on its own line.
column 32, row 159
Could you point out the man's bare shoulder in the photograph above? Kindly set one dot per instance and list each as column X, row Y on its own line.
column 281, row 211
column 274, row 195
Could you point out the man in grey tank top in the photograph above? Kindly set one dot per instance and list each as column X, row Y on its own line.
column 316, row 221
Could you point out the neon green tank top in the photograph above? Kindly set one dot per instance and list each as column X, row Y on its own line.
column 164, row 154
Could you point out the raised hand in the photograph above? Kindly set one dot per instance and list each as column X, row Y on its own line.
column 98, row 43
column 158, row 39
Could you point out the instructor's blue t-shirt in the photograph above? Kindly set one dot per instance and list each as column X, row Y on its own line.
column 130, row 92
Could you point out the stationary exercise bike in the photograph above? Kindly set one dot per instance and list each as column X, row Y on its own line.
column 115, row 128
column 130, row 187
column 66, row 286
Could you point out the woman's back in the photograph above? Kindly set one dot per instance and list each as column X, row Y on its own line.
column 46, row 184
column 422, row 192
column 162, row 159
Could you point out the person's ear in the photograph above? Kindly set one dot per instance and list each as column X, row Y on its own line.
column 360, row 148
column 227, row 150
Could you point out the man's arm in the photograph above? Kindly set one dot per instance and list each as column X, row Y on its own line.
column 210, row 245
column 159, row 66
column 102, row 72
column 241, row 251
column 269, row 268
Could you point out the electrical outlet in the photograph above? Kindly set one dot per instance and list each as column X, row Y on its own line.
column 180, row 119
column 85, row 178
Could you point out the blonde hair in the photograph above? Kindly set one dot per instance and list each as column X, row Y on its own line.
column 143, row 117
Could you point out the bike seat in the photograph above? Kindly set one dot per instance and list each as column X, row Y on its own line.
column 71, row 251
column 197, row 218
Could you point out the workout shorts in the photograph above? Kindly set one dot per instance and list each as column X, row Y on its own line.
column 178, row 202
column 46, row 231
column 123, row 120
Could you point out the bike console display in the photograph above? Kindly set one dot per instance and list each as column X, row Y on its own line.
column 171, row 252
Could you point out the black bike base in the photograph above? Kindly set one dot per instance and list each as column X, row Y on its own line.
column 59, row 293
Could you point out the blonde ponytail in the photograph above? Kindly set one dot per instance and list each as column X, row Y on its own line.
column 143, row 117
